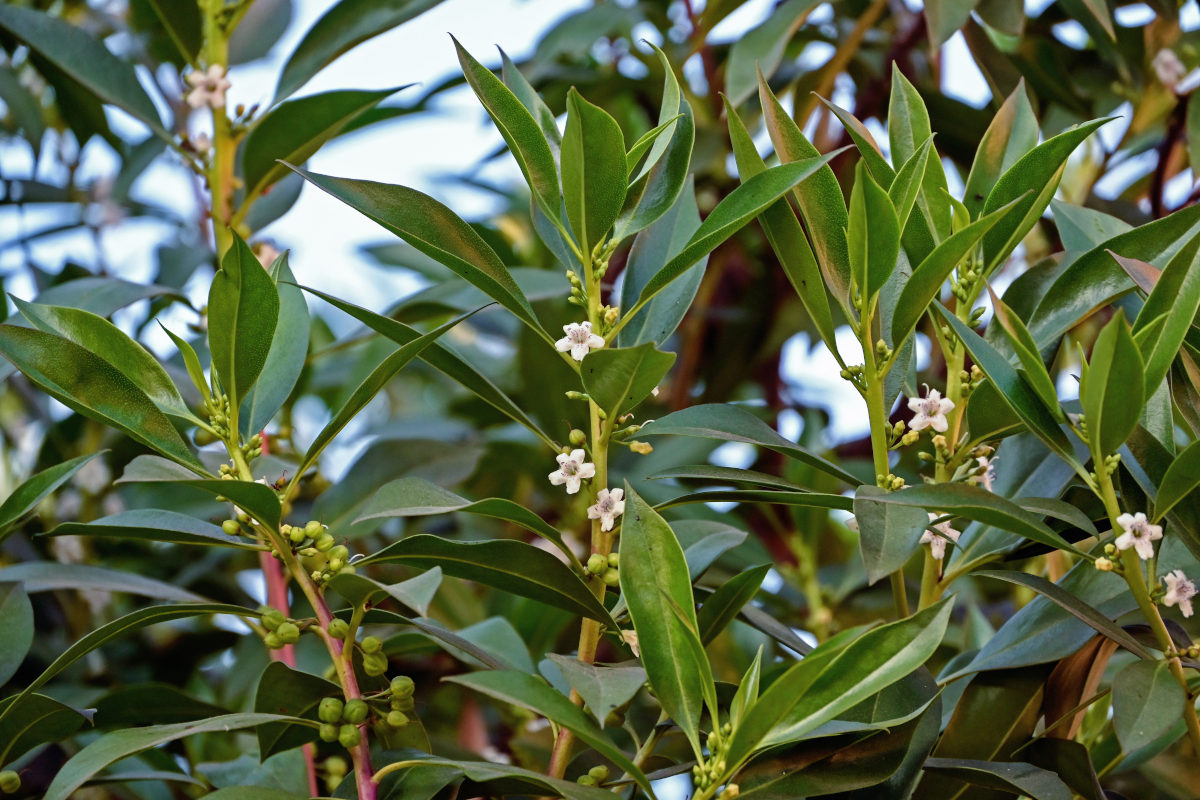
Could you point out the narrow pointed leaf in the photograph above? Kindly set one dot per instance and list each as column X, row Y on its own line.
column 35, row 489
column 16, row 629
column 1179, row 481
column 1111, row 389
column 285, row 358
column 243, row 309
column 40, row 719
column 1012, row 133
column 1175, row 296
column 1021, row 341
column 154, row 525
column 873, row 235
column 723, row 605
column 593, row 170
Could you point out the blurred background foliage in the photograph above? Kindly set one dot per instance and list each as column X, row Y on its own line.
column 73, row 168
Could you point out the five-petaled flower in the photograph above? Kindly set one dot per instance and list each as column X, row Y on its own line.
column 572, row 469
column 1180, row 591
column 1139, row 534
column 208, row 87
column 937, row 544
column 579, row 340
column 930, row 411
column 986, row 473
column 610, row 504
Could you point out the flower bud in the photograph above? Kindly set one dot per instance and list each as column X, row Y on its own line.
column 641, row 448
column 614, row 560
column 273, row 618
column 375, row 664
column 349, row 736
column 338, row 628
column 356, row 711
column 612, row 577
column 402, row 686
column 330, row 710
column 273, row 641
column 341, row 551
column 288, row 632
column 586, row 780
column 577, row 437
column 600, row 773
column 314, row 529
column 397, row 719
column 596, row 563
column 324, row 543
column 297, row 535
column 372, row 644
column 1103, row 564
column 328, row 732
column 231, row 527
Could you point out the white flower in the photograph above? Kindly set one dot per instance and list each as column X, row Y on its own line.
column 1180, row 591
column 571, row 470
column 930, row 412
column 986, row 472
column 201, row 143
column 208, row 87
column 610, row 504
column 579, row 340
column 1139, row 534
column 1168, row 68
column 937, row 544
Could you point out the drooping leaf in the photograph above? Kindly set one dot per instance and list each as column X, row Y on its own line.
column 36, row 488
column 517, row 778
column 47, row 576
column 37, row 720
column 257, row 500
column 154, row 525
column 1015, row 776
column 416, row 593
column 888, row 533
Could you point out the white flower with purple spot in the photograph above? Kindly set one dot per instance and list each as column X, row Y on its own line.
column 572, row 469
column 1180, row 591
column 937, row 544
column 1139, row 534
column 986, row 472
column 208, row 87
column 610, row 504
column 579, row 340
column 930, row 411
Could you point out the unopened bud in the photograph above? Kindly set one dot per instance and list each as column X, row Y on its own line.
column 577, row 437
column 1104, row 564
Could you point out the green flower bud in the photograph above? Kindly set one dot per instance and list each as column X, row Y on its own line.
column 356, row 711
column 273, row 618
column 397, row 719
column 577, row 437
column 314, row 529
column 10, row 782
column 288, row 632
column 375, row 664
column 341, row 551
column 372, row 644
column 297, row 535
column 308, row 552
column 338, row 628
column 324, row 543
column 336, row 564
column 614, row 560
column 273, row 641
column 330, row 710
column 328, row 732
column 612, row 577
column 402, row 686
column 231, row 527
column 403, row 703
column 349, row 736
column 600, row 773
column 596, row 563
column 586, row 780
column 336, row 765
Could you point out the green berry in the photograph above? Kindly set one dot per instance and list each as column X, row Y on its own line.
column 349, row 736
column 341, row 551
column 402, row 686
column 273, row 618
column 397, row 719
column 288, row 632
column 403, row 703
column 614, row 560
column 338, row 628
column 600, row 773
column 356, row 711
column 273, row 641
column 330, row 710
column 336, row 564
column 612, row 577
column 297, row 535
column 324, row 543
column 314, row 529
column 231, row 527
column 375, row 664
column 596, row 563
column 10, row 782
column 329, row 732
column 586, row 780
column 372, row 644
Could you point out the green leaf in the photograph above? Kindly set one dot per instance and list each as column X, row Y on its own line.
column 511, row 778
column 416, row 593
column 736, row 209
column 603, row 689
column 784, row 233
column 520, row 131
column 437, row 232
column 151, row 704
column 346, row 24
column 1147, row 703
column 39, row 719
column 191, row 362
column 707, row 472
column 154, row 525
column 888, row 533
column 1082, row 228
column 803, row 499
column 251, row 793
column 1180, row 480
column 762, row 48
column 84, row 58
column 868, row 148
column 113, row 747
column 290, row 692
column 908, row 129
column 110, row 343
column 16, row 629
column 524, row 91
column 1009, row 777
column 505, row 564
column 417, row 497
column 822, row 686
column 593, row 170
column 1033, row 368
column 654, row 576
column 1111, row 388
column 619, row 379
column 257, row 500
column 1031, row 182
column 26, row 497
column 286, row 357
column 723, row 605
column 46, row 576
column 443, row 359
column 873, row 235
column 906, row 186
column 243, row 309
column 943, row 18
column 294, row 130
column 822, row 205
column 371, row 386
column 662, row 181
column 533, row 693
column 733, row 424
column 1176, row 296
column 88, row 384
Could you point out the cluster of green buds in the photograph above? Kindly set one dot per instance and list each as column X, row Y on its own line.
column 965, row 280
column 1192, row 652
column 375, row 661
column 711, row 770
column 281, row 630
column 319, row 554
column 1106, row 468
column 10, row 782
column 899, row 435
column 335, row 769
column 970, row 380
column 1110, row 561
column 401, row 704
column 253, row 448
column 854, row 374
column 340, row 721
column 594, row 776
column 216, row 406
column 605, row 567
column 890, row 482
column 608, row 319
column 578, row 292
column 602, row 253
column 883, row 354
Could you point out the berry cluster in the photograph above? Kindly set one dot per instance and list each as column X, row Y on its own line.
column 282, row 631
column 318, row 552
column 606, row 567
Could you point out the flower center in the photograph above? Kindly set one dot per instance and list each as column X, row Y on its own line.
column 579, row 335
column 570, row 468
column 931, row 407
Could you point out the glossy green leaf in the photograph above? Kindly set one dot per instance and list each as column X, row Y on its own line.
column 1082, row 228
column 26, row 497
column 603, row 689
column 84, row 58
column 1033, row 369
column 292, row 693
column 1111, row 388
column 191, row 362
column 908, row 129
column 784, row 233
column 654, row 577
column 657, row 189
column 943, row 18
column 243, row 310
column 37, row 720
column 416, row 593
column 524, row 91
column 873, row 235
column 707, row 472
column 1012, row 133
column 151, row 704
column 437, row 232
column 868, row 148
column 91, row 386
column 723, row 605
column 251, row 793
column 888, row 533
column 520, row 131
column 417, row 497
column 530, row 692
column 1147, row 703
column 619, row 379
column 762, row 48
column 1031, row 182
column 154, row 525
column 733, row 424
column 346, row 24
column 113, row 747
column 593, row 170
column 1179, row 481
column 110, row 343
column 286, row 357
column 1016, row 777
column 294, row 130
column 906, row 186
column 47, row 576
column 16, row 629
column 518, row 779
column 1176, row 296
column 257, row 500
column 505, row 564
